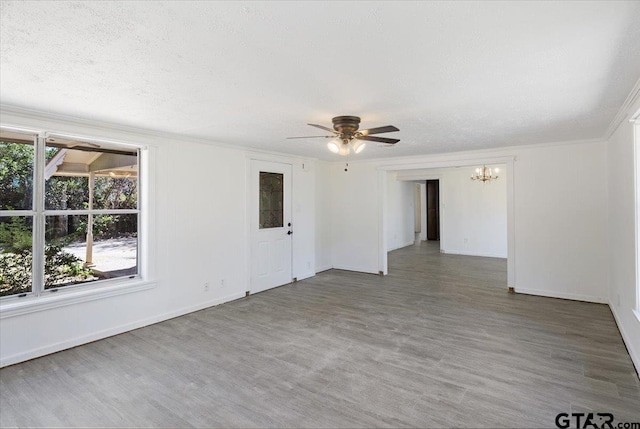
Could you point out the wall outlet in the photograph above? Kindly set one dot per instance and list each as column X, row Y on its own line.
column 221, row 282
column 466, row 240
column 206, row 286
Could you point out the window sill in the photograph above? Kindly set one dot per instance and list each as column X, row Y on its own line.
column 63, row 298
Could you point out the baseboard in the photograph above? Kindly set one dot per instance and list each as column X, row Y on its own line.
column 562, row 295
column 78, row 341
column 356, row 269
column 305, row 276
column 201, row 306
column 467, row 253
column 626, row 339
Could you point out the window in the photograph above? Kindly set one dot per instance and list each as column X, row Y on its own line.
column 69, row 213
column 271, row 200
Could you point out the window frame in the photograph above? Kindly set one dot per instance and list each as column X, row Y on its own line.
column 635, row 121
column 27, row 212
column 39, row 297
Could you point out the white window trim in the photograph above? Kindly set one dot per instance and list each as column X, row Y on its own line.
column 635, row 120
column 88, row 292
column 14, row 305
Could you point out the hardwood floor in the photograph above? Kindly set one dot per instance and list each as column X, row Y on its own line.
column 436, row 343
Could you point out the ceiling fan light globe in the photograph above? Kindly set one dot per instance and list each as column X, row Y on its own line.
column 358, row 146
column 333, row 147
column 344, row 150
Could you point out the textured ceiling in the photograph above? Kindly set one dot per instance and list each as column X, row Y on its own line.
column 452, row 76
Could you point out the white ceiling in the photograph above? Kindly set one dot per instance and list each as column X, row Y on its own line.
column 452, row 75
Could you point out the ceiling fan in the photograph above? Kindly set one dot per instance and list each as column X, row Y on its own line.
column 346, row 136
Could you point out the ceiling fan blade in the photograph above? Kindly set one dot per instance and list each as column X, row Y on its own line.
column 378, row 139
column 379, row 130
column 311, row 137
column 322, row 127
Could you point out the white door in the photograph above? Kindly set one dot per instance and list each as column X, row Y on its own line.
column 271, row 231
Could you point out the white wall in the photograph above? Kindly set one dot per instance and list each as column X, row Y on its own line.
column 304, row 222
column 197, row 233
column 622, row 259
column 401, row 213
column 560, row 218
column 324, row 210
column 355, row 234
column 561, row 221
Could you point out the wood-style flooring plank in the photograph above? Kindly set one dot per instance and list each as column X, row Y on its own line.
column 437, row 343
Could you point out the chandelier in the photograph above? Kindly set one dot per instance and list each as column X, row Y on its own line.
column 485, row 174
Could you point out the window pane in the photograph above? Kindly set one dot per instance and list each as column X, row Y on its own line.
column 16, row 255
column 67, row 193
column 116, row 193
column 271, row 200
column 71, row 258
column 16, row 174
column 67, row 171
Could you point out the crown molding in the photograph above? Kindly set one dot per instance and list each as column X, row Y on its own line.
column 477, row 154
column 34, row 114
column 623, row 113
column 130, row 133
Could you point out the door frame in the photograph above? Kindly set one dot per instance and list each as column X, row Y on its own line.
column 249, row 158
column 383, row 265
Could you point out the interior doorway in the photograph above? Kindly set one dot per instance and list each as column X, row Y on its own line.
column 433, row 210
column 472, row 219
